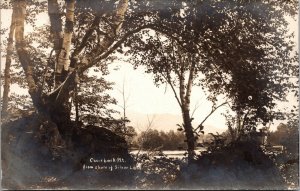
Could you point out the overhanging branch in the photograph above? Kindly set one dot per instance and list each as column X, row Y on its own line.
column 113, row 47
column 173, row 89
column 61, row 93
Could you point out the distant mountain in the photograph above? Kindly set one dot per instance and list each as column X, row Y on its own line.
column 164, row 122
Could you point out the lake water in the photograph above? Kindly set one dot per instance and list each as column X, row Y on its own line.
column 170, row 154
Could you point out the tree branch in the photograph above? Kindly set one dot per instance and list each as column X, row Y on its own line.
column 56, row 24
column 244, row 118
column 181, row 82
column 85, row 38
column 112, row 48
column 9, row 52
column 190, row 81
column 20, row 12
column 93, row 61
column 64, row 55
column 173, row 89
column 167, row 77
column 46, row 71
column 194, row 110
column 61, row 93
column 211, row 112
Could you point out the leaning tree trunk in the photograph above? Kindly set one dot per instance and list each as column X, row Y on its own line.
column 186, row 101
column 188, row 128
column 24, row 57
column 55, row 140
column 9, row 51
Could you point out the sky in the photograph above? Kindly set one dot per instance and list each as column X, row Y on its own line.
column 144, row 98
column 146, row 101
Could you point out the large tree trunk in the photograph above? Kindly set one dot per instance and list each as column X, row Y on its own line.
column 59, row 107
column 40, row 102
column 9, row 51
column 91, row 59
column 57, row 103
column 55, row 107
column 59, row 99
column 185, row 108
column 24, row 57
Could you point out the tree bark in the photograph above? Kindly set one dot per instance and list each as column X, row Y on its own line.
column 40, row 102
column 9, row 51
column 56, row 24
column 109, row 39
column 117, row 22
column 65, row 52
column 189, row 133
column 56, row 105
column 76, row 105
column 185, row 92
column 238, row 122
column 65, row 77
column 190, row 81
column 24, row 58
column 105, row 44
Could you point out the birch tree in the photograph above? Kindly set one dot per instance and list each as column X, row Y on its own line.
column 225, row 49
column 172, row 64
column 9, row 52
column 225, row 37
column 54, row 105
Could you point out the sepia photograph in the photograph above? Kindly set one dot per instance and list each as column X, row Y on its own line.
column 149, row 94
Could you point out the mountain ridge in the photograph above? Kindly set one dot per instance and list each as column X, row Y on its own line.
column 162, row 121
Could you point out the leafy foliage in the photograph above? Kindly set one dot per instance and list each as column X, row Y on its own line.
column 287, row 135
column 93, row 101
column 153, row 140
column 240, row 49
column 157, row 172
